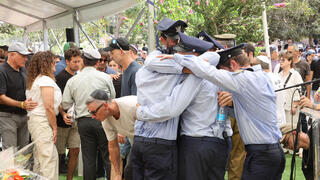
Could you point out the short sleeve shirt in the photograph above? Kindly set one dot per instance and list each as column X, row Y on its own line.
column 13, row 85
column 62, row 79
column 35, row 94
column 315, row 67
column 125, row 124
column 303, row 69
column 128, row 84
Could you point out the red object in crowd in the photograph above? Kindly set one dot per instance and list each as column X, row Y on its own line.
column 280, row 4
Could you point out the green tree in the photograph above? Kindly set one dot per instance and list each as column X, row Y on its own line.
column 295, row 20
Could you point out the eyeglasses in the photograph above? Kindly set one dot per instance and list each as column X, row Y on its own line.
column 95, row 111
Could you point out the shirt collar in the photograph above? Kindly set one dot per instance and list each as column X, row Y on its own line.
column 11, row 68
column 256, row 68
column 88, row 68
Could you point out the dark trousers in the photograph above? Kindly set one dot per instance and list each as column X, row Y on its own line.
column 264, row 162
column 202, row 158
column 304, row 124
column 93, row 138
column 154, row 159
column 128, row 174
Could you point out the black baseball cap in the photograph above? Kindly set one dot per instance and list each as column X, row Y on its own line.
column 100, row 94
column 119, row 43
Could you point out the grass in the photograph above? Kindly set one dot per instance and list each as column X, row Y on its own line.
column 285, row 175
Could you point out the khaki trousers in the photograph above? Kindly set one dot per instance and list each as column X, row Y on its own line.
column 237, row 154
column 46, row 161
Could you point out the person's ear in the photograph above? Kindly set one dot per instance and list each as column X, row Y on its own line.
column 234, row 65
column 105, row 105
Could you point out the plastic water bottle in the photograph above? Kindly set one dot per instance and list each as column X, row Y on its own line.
column 221, row 117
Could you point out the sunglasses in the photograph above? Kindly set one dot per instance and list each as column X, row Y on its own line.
column 95, row 111
column 114, row 41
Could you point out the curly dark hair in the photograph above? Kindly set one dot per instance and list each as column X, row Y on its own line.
column 40, row 64
column 73, row 52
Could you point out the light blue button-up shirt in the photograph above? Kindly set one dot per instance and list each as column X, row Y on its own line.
column 253, row 96
column 197, row 100
column 153, row 87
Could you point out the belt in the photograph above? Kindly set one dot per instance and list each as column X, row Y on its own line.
column 205, row 138
column 83, row 118
column 154, row 140
column 262, row 147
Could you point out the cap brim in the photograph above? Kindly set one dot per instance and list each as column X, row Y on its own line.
column 25, row 53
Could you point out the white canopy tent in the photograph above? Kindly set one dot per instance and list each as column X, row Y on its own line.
column 35, row 15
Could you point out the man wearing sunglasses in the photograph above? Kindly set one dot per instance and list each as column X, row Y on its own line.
column 120, row 52
column 92, row 135
column 117, row 116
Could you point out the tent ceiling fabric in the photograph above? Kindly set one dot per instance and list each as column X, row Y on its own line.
column 30, row 14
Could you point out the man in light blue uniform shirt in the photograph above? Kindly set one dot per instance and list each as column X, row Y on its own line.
column 154, row 151
column 202, row 148
column 255, row 109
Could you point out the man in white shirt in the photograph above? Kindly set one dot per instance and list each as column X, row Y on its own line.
column 117, row 116
column 280, row 102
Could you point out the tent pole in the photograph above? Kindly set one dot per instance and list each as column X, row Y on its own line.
column 45, row 35
column 151, row 32
column 76, row 28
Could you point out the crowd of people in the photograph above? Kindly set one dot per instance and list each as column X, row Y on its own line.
column 191, row 109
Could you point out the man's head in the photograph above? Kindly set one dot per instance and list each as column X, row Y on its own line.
column 274, row 53
column 90, row 57
column 206, row 37
column 119, row 50
column 5, row 50
column 18, row 54
column 264, row 62
column 248, row 50
column 289, row 136
column 98, row 104
column 169, row 31
column 133, row 51
column 73, row 59
column 103, row 62
column 191, row 45
column 233, row 59
column 294, row 50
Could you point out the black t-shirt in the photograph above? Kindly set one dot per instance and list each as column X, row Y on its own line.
column 13, row 85
column 128, row 84
column 315, row 67
column 61, row 80
column 117, row 86
column 303, row 68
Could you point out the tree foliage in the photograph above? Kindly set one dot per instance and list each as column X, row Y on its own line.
column 297, row 19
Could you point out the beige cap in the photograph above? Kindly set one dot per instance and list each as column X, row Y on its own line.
column 286, row 129
column 225, row 36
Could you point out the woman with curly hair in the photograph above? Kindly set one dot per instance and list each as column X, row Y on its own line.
column 41, row 87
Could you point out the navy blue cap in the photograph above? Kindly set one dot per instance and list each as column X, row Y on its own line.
column 192, row 44
column 229, row 53
column 171, row 28
column 205, row 36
